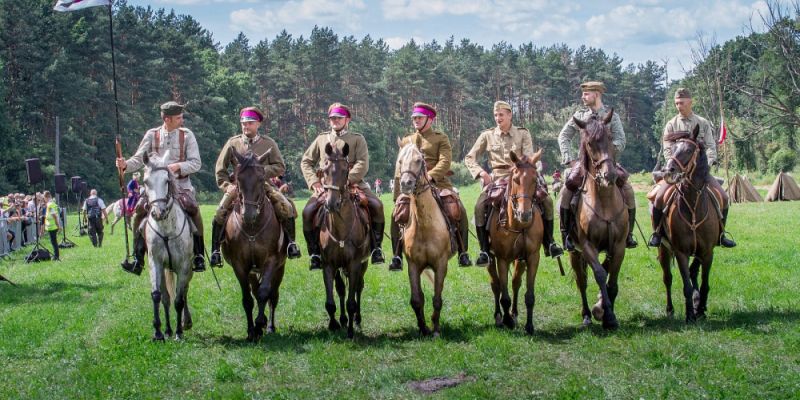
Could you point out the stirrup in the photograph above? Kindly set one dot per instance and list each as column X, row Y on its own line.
column 555, row 250
column 199, row 263
column 397, row 264
column 655, row 240
column 216, row 259
column 292, row 251
column 483, row 259
column 463, row 260
column 316, row 262
column 377, row 256
column 630, row 242
column 725, row 242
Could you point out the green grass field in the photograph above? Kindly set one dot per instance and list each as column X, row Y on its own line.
column 81, row 329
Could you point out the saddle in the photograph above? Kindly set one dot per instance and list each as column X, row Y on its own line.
column 575, row 178
column 497, row 198
column 359, row 198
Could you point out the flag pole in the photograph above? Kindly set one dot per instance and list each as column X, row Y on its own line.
column 118, row 139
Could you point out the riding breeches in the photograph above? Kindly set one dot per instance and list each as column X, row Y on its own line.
column 374, row 206
column 565, row 196
column 142, row 208
column 284, row 208
column 656, row 195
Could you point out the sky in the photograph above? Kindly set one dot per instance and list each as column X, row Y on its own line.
column 635, row 30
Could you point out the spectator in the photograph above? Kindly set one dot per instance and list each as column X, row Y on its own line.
column 51, row 223
column 95, row 210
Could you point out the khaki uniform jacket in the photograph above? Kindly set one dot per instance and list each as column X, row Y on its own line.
column 706, row 135
column 259, row 145
column 315, row 156
column 169, row 142
column 435, row 147
column 570, row 131
column 498, row 146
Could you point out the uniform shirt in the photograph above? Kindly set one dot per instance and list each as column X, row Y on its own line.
column 571, row 130
column 706, row 136
column 170, row 142
column 438, row 153
column 498, row 146
column 50, row 223
column 315, row 156
column 259, row 145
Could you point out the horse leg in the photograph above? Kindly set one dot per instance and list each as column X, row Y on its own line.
column 359, row 289
column 264, row 294
column 516, row 283
column 341, row 291
column 613, row 263
column 352, row 303
column 665, row 259
column 694, row 270
column 581, row 281
column 252, row 287
column 181, row 292
column 167, row 299
column 505, row 299
column 700, row 308
column 187, row 315
column 530, row 296
column 438, row 286
column 601, row 277
column 275, row 283
column 330, row 305
column 247, row 303
column 688, row 290
column 417, row 297
column 495, row 283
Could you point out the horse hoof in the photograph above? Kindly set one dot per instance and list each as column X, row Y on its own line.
column 587, row 321
column 529, row 329
column 670, row 313
column 333, row 325
column 700, row 316
column 351, row 333
column 610, row 323
column 437, row 334
column 168, row 333
column 423, row 332
column 598, row 312
column 498, row 320
column 343, row 320
column 178, row 337
column 509, row 322
column 271, row 329
column 158, row 337
column 187, row 325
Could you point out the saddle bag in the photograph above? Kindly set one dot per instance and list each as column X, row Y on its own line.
column 401, row 209
column 359, row 196
column 575, row 178
column 622, row 176
column 452, row 208
column 497, row 192
column 187, row 202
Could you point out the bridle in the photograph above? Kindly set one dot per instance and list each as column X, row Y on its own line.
column 418, row 176
column 340, row 189
column 686, row 170
column 516, row 196
column 169, row 200
column 260, row 196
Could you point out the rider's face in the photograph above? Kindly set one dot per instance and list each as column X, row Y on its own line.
column 250, row 128
column 338, row 123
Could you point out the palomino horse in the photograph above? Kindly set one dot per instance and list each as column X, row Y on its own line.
column 116, row 209
column 254, row 244
column 693, row 225
column 426, row 239
column 518, row 241
column 169, row 248
column 344, row 241
column 602, row 220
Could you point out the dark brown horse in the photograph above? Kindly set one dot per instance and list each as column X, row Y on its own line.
column 693, row 225
column 344, row 241
column 602, row 220
column 255, row 244
column 518, row 241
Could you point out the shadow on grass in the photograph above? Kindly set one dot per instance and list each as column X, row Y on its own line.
column 52, row 292
column 753, row 321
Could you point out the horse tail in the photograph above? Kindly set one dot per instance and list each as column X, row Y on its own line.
column 428, row 274
column 169, row 278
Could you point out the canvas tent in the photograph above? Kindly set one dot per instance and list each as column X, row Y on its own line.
column 784, row 188
column 740, row 190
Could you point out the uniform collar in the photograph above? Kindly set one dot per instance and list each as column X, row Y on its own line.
column 252, row 140
column 163, row 129
column 425, row 132
column 690, row 116
column 341, row 133
column 498, row 131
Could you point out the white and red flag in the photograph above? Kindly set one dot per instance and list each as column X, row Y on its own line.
column 72, row 5
column 723, row 130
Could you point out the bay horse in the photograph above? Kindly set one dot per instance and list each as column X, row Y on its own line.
column 426, row 239
column 601, row 220
column 692, row 225
column 168, row 234
column 518, row 241
column 344, row 241
column 254, row 244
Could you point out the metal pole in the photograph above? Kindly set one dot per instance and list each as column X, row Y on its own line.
column 58, row 157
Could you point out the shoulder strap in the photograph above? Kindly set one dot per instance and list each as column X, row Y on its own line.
column 156, row 140
column 181, row 141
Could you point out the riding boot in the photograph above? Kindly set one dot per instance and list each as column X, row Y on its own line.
column 630, row 242
column 293, row 251
column 655, row 239
column 463, row 240
column 139, row 248
column 312, row 242
column 377, row 242
column 551, row 248
column 483, row 241
column 724, row 241
column 216, row 239
column 566, row 226
column 397, row 248
column 199, row 254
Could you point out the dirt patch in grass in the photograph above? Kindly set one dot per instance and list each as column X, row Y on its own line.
column 435, row 384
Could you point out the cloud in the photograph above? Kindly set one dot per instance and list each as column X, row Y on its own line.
column 201, row 2
column 297, row 13
column 396, row 42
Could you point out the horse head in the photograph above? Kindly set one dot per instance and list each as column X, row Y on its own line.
column 688, row 157
column 411, row 163
column 159, row 184
column 250, row 178
column 334, row 175
column 522, row 187
column 597, row 149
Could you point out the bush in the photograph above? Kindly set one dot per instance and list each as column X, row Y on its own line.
column 782, row 160
column 461, row 175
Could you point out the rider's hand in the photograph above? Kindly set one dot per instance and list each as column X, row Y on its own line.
column 231, row 188
column 317, row 188
column 175, row 168
column 121, row 163
column 485, row 178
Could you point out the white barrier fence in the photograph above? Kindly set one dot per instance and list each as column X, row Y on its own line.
column 22, row 236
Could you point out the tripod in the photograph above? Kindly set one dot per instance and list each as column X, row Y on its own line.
column 38, row 253
column 65, row 243
column 80, row 230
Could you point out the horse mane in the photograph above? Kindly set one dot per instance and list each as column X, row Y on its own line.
column 409, row 147
column 595, row 132
column 701, row 168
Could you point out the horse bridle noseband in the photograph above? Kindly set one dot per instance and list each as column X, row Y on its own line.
column 170, row 199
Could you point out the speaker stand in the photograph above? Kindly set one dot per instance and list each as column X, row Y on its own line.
column 33, row 256
column 65, row 243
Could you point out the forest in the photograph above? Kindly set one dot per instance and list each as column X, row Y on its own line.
column 58, row 66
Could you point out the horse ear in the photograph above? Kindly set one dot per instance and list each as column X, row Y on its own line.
column 239, row 158
column 514, row 157
column 328, row 149
column 345, row 150
column 536, row 157
column 399, row 143
column 580, row 123
column 695, row 132
column 608, row 117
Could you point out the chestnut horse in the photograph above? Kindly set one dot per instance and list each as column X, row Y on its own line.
column 693, row 224
column 344, row 241
column 426, row 239
column 518, row 241
column 254, row 244
column 602, row 220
